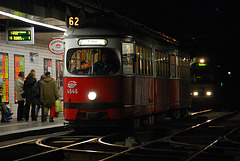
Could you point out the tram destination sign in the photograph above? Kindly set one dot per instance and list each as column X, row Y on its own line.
column 20, row 35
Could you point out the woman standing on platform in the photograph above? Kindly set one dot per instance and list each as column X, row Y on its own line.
column 28, row 88
column 19, row 88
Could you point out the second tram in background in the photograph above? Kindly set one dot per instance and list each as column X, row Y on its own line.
column 206, row 84
column 117, row 71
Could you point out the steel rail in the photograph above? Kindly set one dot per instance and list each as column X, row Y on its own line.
column 57, row 149
column 168, row 139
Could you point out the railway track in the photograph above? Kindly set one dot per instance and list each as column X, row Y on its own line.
column 195, row 139
column 204, row 141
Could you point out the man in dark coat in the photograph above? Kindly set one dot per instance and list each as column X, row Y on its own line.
column 28, row 88
column 36, row 95
column 48, row 94
column 103, row 67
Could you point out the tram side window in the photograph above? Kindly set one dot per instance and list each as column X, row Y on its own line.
column 128, row 58
column 186, row 66
column 183, row 68
column 149, row 67
column 162, row 64
column 180, row 67
column 157, row 60
column 92, row 62
column 143, row 61
column 159, row 64
column 137, row 60
column 166, row 64
column 173, row 66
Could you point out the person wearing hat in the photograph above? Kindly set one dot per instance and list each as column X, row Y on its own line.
column 48, row 95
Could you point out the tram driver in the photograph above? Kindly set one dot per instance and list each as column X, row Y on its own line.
column 103, row 66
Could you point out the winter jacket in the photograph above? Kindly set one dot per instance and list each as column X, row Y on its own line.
column 19, row 82
column 27, row 87
column 49, row 92
column 36, row 92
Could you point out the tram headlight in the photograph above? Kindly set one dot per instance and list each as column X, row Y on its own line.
column 195, row 93
column 92, row 96
column 208, row 93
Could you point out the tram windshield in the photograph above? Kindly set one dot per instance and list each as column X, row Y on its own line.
column 203, row 76
column 92, row 62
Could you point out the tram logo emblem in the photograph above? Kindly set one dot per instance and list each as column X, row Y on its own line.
column 72, row 84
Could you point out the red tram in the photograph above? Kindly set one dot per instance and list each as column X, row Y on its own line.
column 119, row 74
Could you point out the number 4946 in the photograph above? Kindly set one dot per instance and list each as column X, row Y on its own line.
column 72, row 91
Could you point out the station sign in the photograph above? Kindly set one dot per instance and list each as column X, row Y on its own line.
column 20, row 35
column 56, row 46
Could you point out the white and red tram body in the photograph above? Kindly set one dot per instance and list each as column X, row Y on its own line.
column 115, row 74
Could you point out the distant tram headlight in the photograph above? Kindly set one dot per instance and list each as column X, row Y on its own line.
column 195, row 93
column 208, row 93
column 92, row 96
column 202, row 61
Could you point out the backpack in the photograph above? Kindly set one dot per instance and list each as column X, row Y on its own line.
column 36, row 89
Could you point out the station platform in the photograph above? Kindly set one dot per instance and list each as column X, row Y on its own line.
column 15, row 127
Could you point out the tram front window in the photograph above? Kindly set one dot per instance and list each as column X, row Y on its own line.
column 92, row 62
column 203, row 76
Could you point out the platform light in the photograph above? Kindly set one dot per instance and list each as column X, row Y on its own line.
column 31, row 21
column 195, row 93
column 92, row 96
column 208, row 93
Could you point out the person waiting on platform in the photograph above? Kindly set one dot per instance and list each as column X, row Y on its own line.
column 36, row 97
column 104, row 66
column 19, row 82
column 48, row 95
column 3, row 108
column 27, row 87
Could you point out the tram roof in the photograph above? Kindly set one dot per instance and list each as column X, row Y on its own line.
column 117, row 26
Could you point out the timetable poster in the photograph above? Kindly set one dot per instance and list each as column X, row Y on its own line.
column 19, row 66
column 4, row 76
column 47, row 65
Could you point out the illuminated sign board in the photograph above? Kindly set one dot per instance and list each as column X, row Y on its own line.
column 202, row 64
column 73, row 21
column 83, row 42
column 22, row 35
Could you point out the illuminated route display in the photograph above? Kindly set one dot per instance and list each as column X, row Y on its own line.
column 19, row 35
column 23, row 35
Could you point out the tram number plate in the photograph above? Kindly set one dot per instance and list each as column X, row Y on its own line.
column 91, row 114
column 72, row 91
